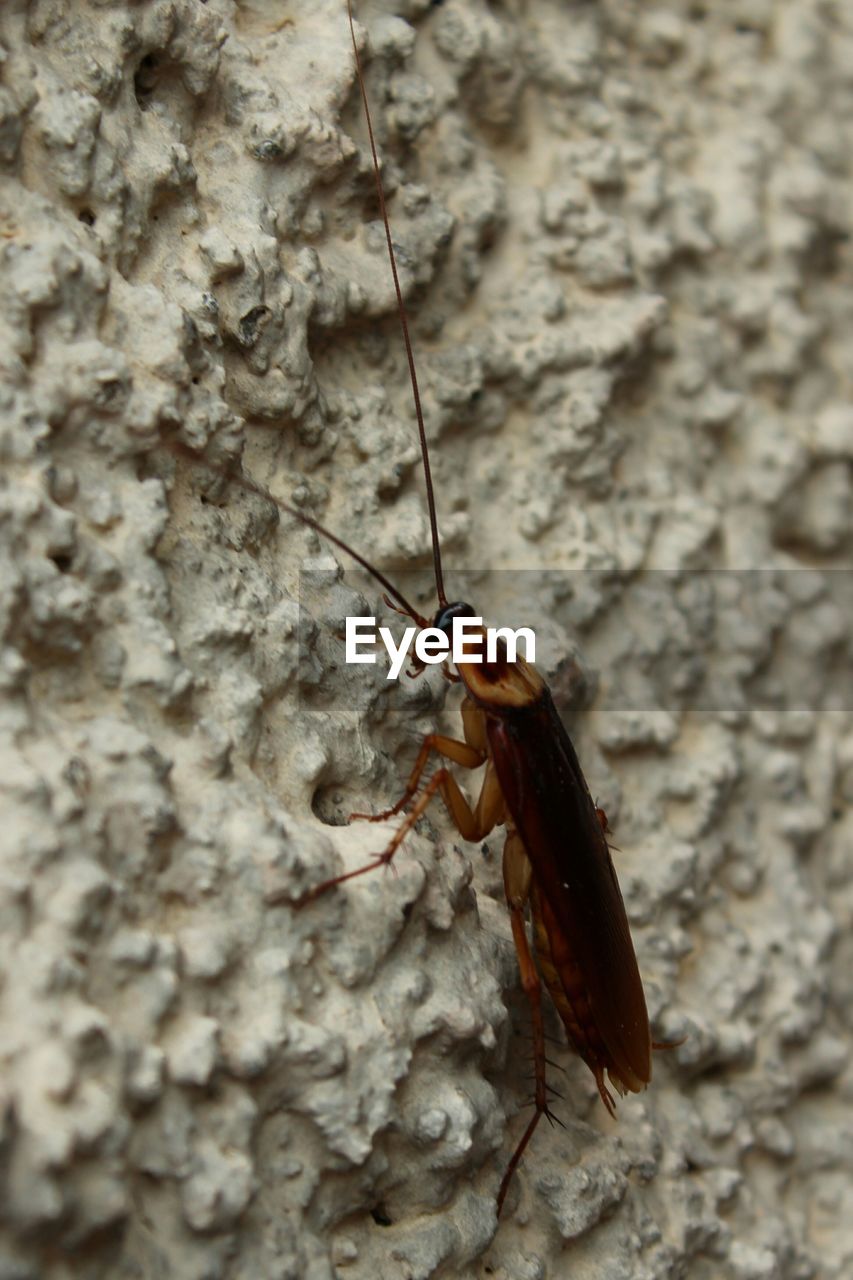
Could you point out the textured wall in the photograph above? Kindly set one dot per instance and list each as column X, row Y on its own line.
column 624, row 231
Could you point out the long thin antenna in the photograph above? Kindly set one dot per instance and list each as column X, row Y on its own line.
column 404, row 323
column 242, row 482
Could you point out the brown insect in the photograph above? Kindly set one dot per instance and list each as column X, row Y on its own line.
column 556, row 860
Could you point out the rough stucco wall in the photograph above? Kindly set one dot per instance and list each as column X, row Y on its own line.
column 624, row 230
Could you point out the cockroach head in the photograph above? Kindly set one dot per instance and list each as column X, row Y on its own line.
column 443, row 620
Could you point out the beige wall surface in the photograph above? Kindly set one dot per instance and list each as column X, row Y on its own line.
column 623, row 232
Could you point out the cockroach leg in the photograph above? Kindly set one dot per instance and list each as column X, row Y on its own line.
column 438, row 782
column 606, row 828
column 451, row 748
column 473, row 824
column 605, row 1094
column 518, row 875
column 391, row 605
column 668, row 1044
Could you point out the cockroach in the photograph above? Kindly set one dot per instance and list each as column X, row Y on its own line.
column 556, row 857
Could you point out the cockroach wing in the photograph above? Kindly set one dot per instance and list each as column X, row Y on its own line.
column 553, row 811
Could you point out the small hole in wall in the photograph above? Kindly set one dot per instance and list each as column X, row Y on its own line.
column 328, row 805
column 488, row 240
column 86, row 216
column 63, row 562
column 145, row 79
column 379, row 1214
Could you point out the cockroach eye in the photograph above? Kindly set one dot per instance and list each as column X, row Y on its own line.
column 459, row 609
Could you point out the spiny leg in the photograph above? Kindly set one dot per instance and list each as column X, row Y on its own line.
column 383, row 859
column 451, row 748
column 603, row 1091
column 517, row 879
column 472, row 823
column 470, row 754
column 668, row 1044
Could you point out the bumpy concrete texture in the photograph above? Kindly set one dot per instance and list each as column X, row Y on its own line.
column 624, row 233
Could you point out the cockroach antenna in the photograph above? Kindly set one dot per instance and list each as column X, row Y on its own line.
column 242, row 482
column 404, row 322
